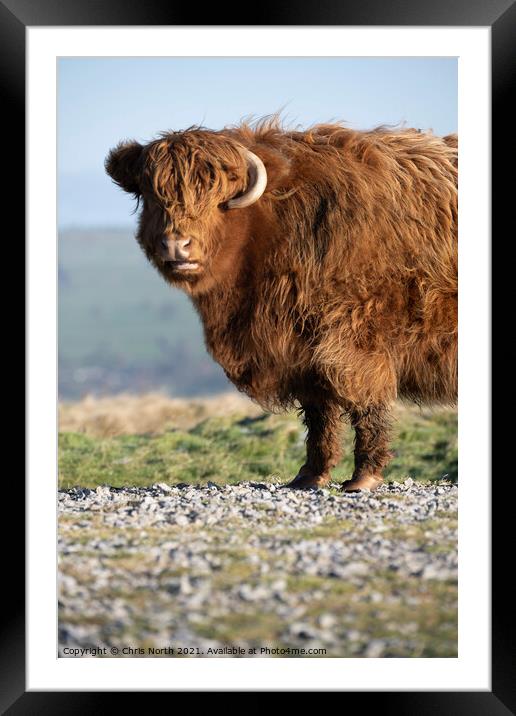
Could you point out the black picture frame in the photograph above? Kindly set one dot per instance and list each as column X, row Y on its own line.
column 500, row 16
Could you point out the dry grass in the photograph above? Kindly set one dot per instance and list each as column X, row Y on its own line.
column 156, row 413
column 150, row 413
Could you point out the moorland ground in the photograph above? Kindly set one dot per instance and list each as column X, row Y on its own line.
column 174, row 531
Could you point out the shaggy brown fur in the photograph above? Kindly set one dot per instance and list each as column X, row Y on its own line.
column 336, row 292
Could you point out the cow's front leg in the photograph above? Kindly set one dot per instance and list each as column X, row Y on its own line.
column 372, row 433
column 322, row 444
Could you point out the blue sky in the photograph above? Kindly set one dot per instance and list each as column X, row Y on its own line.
column 104, row 100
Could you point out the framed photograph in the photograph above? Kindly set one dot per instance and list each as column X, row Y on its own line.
column 302, row 180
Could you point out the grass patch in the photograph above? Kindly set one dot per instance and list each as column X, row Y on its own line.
column 233, row 448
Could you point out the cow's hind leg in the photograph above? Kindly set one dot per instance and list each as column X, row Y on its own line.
column 372, row 433
column 323, row 422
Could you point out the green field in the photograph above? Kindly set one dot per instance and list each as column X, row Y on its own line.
column 236, row 447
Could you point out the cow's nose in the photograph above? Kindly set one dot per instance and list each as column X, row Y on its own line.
column 177, row 249
column 183, row 248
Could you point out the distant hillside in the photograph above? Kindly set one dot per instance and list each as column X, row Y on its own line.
column 121, row 328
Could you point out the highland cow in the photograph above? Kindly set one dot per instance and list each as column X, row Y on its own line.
column 322, row 263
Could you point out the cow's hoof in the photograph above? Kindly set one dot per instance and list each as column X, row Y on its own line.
column 305, row 481
column 363, row 482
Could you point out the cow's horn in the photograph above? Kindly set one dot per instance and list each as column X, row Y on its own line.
column 257, row 182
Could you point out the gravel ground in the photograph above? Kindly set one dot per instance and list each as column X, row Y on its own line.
column 257, row 570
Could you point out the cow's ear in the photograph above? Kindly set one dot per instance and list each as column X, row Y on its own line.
column 123, row 166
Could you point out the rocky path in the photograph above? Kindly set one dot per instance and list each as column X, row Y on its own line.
column 257, row 570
